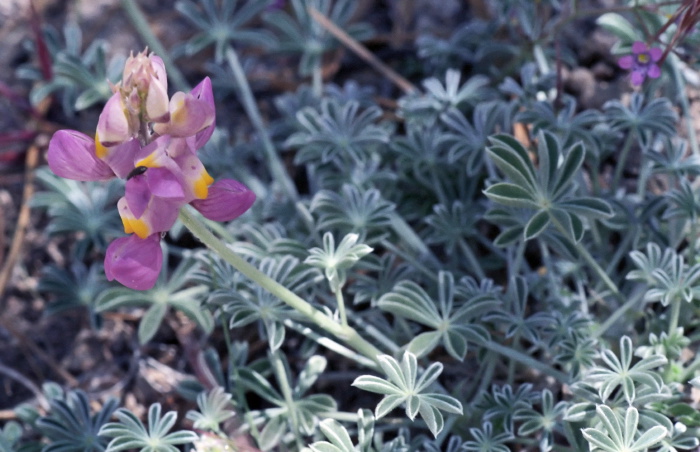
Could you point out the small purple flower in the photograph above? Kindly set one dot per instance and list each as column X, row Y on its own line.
column 642, row 62
column 161, row 168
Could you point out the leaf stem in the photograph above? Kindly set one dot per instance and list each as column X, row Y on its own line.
column 341, row 307
column 345, row 333
column 277, row 170
column 283, row 379
column 620, row 165
column 619, row 312
column 473, row 262
column 675, row 314
column 590, row 260
column 526, row 360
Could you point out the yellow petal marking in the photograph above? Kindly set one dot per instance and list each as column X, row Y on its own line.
column 148, row 161
column 201, row 185
column 100, row 150
column 140, row 228
column 179, row 113
column 127, row 225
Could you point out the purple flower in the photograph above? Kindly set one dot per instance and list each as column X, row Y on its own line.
column 162, row 175
column 642, row 62
column 134, row 262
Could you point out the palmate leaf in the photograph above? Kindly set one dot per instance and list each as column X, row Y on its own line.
column 336, row 262
column 224, row 24
column 657, row 117
column 453, row 319
column 130, row 433
column 214, row 408
column 485, row 439
column 364, row 212
column 403, row 386
column 307, row 409
column 304, row 35
column 542, row 196
column 619, row 372
column 10, row 435
column 337, row 435
column 619, row 434
column 71, row 427
column 339, row 133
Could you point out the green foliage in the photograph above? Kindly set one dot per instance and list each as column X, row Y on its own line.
column 81, row 78
column 71, row 427
column 80, row 207
column 508, row 267
column 130, row 433
column 303, row 35
column 547, row 191
column 214, row 408
column 405, row 387
column 335, row 261
column 619, row 434
column 223, row 24
column 453, row 319
column 170, row 291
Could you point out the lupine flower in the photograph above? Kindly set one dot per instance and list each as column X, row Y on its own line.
column 642, row 62
column 151, row 141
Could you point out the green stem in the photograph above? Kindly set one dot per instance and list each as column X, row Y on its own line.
column 590, row 260
column 345, row 333
column 409, row 258
column 341, row 307
column 619, row 312
column 689, row 372
column 526, row 360
column 515, row 261
column 277, row 170
column 676, row 304
column 317, row 79
column 685, row 106
column 138, row 20
column 240, row 396
column 380, row 337
column 620, row 165
column 406, row 232
column 330, row 344
column 282, row 378
column 473, row 262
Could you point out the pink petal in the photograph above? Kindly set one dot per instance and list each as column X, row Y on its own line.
column 71, row 155
column 203, row 91
column 638, row 78
column 655, row 54
column 161, row 214
column 626, row 62
column 157, row 102
column 137, row 195
column 228, row 199
column 195, row 179
column 188, row 116
column 134, row 262
column 639, row 47
column 163, row 183
column 121, row 157
column 154, row 155
column 654, row 71
column 113, row 125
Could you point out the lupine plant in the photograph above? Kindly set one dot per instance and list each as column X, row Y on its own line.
column 478, row 263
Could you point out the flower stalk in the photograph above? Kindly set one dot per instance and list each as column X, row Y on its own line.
column 345, row 333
